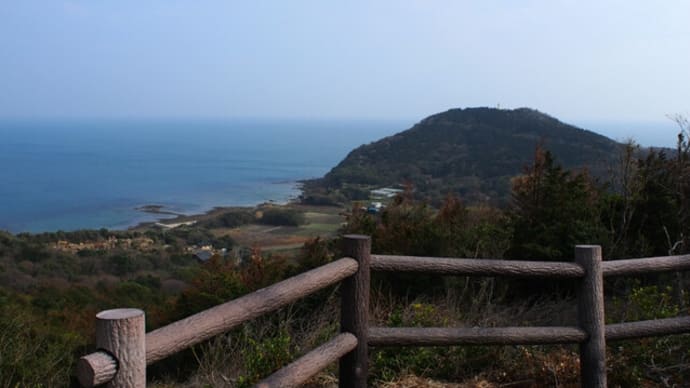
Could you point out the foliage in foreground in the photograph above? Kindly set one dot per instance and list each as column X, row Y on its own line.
column 261, row 347
column 34, row 352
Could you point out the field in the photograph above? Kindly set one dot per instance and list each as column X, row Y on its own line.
column 320, row 221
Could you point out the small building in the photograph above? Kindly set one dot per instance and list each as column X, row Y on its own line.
column 374, row 207
column 203, row 255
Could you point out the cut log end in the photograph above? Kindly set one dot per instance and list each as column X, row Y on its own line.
column 96, row 368
column 116, row 314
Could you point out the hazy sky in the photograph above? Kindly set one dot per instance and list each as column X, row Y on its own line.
column 576, row 60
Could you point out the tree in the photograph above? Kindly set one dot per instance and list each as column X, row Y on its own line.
column 553, row 210
column 621, row 202
column 407, row 227
column 681, row 177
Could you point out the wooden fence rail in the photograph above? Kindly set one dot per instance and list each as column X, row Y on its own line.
column 312, row 363
column 100, row 367
column 476, row 267
column 124, row 349
column 447, row 336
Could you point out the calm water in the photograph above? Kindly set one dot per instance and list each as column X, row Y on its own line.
column 66, row 175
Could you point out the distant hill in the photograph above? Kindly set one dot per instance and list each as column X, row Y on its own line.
column 473, row 152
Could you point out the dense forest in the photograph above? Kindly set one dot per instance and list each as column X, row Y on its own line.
column 470, row 152
column 54, row 283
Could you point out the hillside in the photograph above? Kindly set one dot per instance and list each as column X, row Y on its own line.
column 473, row 152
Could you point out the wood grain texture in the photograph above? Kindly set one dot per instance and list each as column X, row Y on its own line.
column 354, row 313
column 307, row 366
column 667, row 326
column 199, row 327
column 122, row 333
column 484, row 267
column 646, row 265
column 447, row 336
column 96, row 368
column 590, row 310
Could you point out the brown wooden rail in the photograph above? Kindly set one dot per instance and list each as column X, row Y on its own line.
column 298, row 372
column 101, row 367
column 477, row 267
column 646, row 265
column 446, row 336
column 126, row 349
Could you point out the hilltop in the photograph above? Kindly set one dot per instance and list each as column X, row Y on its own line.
column 472, row 152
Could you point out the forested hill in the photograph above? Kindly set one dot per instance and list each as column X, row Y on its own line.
column 473, row 152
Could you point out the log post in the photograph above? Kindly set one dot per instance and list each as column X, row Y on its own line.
column 590, row 306
column 122, row 333
column 354, row 313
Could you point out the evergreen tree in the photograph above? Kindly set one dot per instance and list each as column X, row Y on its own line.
column 552, row 211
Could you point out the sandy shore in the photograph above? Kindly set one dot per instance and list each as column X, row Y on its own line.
column 180, row 219
column 190, row 219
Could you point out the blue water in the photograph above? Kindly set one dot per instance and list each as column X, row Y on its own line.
column 74, row 174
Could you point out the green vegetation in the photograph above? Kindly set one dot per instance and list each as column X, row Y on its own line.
column 229, row 219
column 35, row 350
column 553, row 210
column 54, row 283
column 472, row 153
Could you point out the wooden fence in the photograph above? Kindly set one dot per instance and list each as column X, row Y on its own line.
column 125, row 349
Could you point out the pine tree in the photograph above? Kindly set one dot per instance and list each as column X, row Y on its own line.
column 552, row 211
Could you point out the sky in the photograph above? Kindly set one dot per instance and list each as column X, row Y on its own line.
column 612, row 62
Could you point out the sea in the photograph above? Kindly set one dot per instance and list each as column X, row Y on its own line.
column 72, row 174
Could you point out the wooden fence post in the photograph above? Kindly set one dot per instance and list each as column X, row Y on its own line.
column 590, row 306
column 122, row 333
column 354, row 313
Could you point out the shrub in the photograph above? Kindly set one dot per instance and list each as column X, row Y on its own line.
column 648, row 361
column 33, row 353
column 229, row 219
column 265, row 356
column 121, row 265
column 282, row 217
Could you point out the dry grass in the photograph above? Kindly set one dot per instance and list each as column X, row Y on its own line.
column 223, row 359
column 464, row 304
column 321, row 221
column 411, row 381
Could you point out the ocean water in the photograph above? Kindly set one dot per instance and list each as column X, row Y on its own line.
column 75, row 174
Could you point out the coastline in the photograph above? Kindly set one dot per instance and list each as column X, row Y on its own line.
column 162, row 162
column 142, row 216
column 185, row 218
column 190, row 219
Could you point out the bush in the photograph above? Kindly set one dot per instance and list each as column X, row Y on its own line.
column 229, row 219
column 121, row 265
column 33, row 353
column 282, row 217
column 265, row 356
column 648, row 361
column 323, row 199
